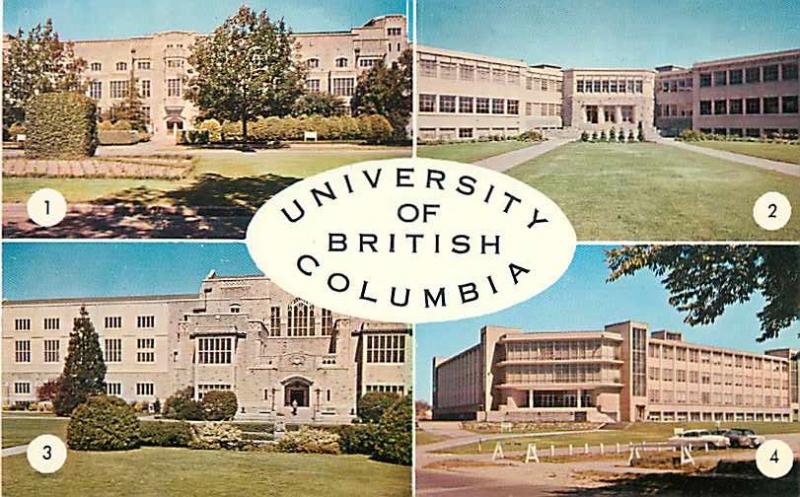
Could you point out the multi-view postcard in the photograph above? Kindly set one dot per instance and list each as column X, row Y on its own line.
column 396, row 248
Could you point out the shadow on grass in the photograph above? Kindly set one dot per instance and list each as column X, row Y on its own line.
column 729, row 479
column 213, row 206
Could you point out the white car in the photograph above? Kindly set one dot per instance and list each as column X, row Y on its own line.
column 698, row 438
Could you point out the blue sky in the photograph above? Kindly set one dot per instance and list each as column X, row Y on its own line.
column 50, row 270
column 582, row 300
column 610, row 33
column 89, row 19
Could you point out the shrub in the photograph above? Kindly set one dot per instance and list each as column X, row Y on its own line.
column 612, row 134
column 219, row 405
column 630, row 136
column 371, row 406
column 165, row 433
column 357, row 438
column 60, row 125
column 531, row 135
column 122, row 125
column 16, row 129
column 144, row 136
column 231, row 131
column 103, row 423
column 181, row 405
column 603, row 136
column 594, row 136
column 690, row 135
column 47, row 391
column 117, row 137
column 374, row 128
column 393, row 436
column 640, row 134
column 310, row 441
column 192, row 136
column 585, row 136
column 105, row 126
column 214, row 129
column 215, row 435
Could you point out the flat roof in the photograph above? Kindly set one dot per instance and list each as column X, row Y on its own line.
column 749, row 58
column 90, row 300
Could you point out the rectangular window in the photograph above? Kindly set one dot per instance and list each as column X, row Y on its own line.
column 202, row 388
column 752, row 75
column 113, row 350
column 789, row 72
column 52, row 323
column 705, row 107
column 51, row 349
column 114, row 389
column 705, row 79
column 720, row 106
column 771, row 105
column 312, row 85
column 22, row 324
column 498, row 105
column 143, row 65
column 386, row 348
column 96, row 90
column 427, row 103
column 735, row 106
column 513, row 107
column 394, row 31
column 789, row 105
column 215, row 350
column 735, row 76
column 275, row 321
column 447, row 103
column 173, row 87
column 113, row 322
column 499, row 76
column 753, row 105
column 482, row 105
column 545, row 85
column 720, row 78
column 119, row 89
column 22, row 351
column 326, row 322
column 145, row 321
column 343, row 87
column 96, row 66
column 145, row 389
column 144, row 88
column 578, row 86
column 175, row 63
column 448, row 70
column 466, row 73
column 367, row 62
column 465, row 132
column 428, row 68
column 465, row 105
column 639, row 89
column 145, row 350
column 22, row 387
column 770, row 73
column 398, row 389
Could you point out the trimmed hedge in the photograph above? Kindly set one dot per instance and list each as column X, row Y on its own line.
column 213, row 436
column 219, row 405
column 103, row 423
column 192, row 136
column 61, row 125
column 117, row 137
column 165, row 433
column 372, row 128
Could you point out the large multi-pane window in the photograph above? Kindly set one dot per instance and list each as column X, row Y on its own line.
column 705, row 107
column 214, row 350
column 639, row 361
column 143, row 65
column 427, row 103
column 326, row 322
column 789, row 71
column 122, row 66
column 119, row 88
column 312, row 85
column 312, row 63
column 145, row 350
column 735, row 106
column 145, row 389
column 789, row 105
column 144, row 88
column 427, row 68
column 482, row 105
column 466, row 72
column 447, row 70
column 96, row 90
column 771, row 105
column 398, row 389
column 752, row 75
column 499, row 76
column 112, row 322
column 513, row 107
column 465, row 105
column 300, row 319
column 145, row 321
column 51, row 351
column 202, row 388
column 343, row 87
column 22, row 324
column 770, row 73
column 95, row 66
column 720, row 106
column 114, row 388
column 22, row 351
column 753, row 105
column 720, row 78
column 447, row 103
column 735, row 76
column 275, row 321
column 22, row 387
column 386, row 348
column 174, row 87
column 52, row 323
column 705, row 79
column 498, row 106
column 113, row 350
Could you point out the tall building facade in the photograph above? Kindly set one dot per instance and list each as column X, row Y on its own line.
column 239, row 333
column 160, row 64
column 621, row 373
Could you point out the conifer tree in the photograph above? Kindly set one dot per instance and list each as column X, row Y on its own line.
column 84, row 369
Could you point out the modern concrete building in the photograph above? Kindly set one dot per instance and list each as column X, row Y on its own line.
column 239, row 333
column 159, row 62
column 466, row 96
column 621, row 373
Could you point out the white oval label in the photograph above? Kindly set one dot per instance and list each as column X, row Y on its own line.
column 411, row 240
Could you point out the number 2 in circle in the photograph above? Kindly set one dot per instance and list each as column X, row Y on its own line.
column 48, row 452
column 773, row 209
column 774, row 457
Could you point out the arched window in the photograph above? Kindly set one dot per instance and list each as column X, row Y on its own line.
column 312, row 63
column 96, row 66
column 341, row 62
column 300, row 319
column 122, row 66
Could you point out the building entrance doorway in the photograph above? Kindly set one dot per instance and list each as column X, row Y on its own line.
column 174, row 125
column 591, row 114
column 296, row 391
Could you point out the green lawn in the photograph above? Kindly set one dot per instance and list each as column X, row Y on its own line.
column 636, row 433
column 213, row 171
column 470, row 152
column 646, row 191
column 20, row 431
column 782, row 152
column 424, row 438
column 161, row 472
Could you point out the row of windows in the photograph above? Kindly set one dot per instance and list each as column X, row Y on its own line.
column 750, row 75
column 467, row 133
column 301, row 320
column 342, row 62
column 143, row 389
column 468, row 105
column 398, row 389
column 341, row 87
column 752, row 132
column 120, row 88
column 610, row 86
column 563, row 373
column 110, row 322
column 767, row 105
column 716, row 398
column 468, row 72
column 717, row 358
column 676, row 85
column 561, row 350
column 142, row 65
column 673, row 110
column 682, row 376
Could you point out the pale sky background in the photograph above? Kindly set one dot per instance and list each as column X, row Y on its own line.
column 610, row 33
column 91, row 19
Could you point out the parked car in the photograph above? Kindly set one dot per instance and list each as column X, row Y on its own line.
column 741, row 437
column 698, row 438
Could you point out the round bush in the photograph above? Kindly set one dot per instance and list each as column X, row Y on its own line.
column 103, row 423
column 182, row 406
column 219, row 405
column 165, row 433
column 215, row 436
column 357, row 439
column 393, row 436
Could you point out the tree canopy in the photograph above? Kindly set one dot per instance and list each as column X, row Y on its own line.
column 130, row 108
column 386, row 90
column 35, row 63
column 246, row 68
column 704, row 280
column 320, row 104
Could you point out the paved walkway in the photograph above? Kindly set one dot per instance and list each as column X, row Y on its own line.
column 13, row 451
column 770, row 165
column 504, row 162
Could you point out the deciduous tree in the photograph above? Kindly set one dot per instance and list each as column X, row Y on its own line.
column 386, row 90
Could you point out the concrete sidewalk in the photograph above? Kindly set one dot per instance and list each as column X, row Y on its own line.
column 770, row 165
column 13, row 451
column 504, row 162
